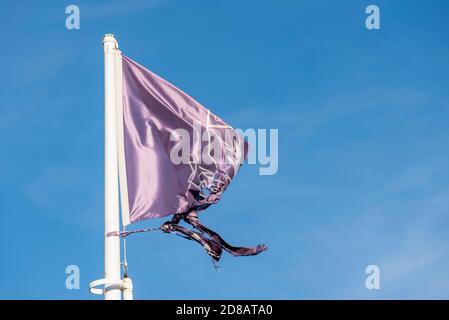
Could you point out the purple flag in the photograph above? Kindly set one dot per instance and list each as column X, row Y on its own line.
column 175, row 157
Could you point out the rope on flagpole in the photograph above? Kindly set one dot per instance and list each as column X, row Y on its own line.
column 125, row 260
column 124, row 234
column 127, row 284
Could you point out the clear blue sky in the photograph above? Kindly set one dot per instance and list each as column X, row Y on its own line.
column 363, row 119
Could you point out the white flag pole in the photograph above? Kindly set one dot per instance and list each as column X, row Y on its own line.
column 112, row 275
column 113, row 141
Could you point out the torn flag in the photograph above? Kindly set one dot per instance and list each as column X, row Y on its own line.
column 175, row 156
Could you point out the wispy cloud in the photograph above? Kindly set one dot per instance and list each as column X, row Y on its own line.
column 305, row 118
column 73, row 185
column 118, row 8
column 413, row 230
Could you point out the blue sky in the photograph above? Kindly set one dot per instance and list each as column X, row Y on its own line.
column 363, row 145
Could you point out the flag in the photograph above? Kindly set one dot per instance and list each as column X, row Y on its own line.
column 175, row 156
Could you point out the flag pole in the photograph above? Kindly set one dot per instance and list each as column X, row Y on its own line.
column 112, row 290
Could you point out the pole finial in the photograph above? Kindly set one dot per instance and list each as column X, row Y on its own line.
column 109, row 38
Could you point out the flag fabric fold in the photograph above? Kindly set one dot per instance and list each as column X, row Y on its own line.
column 177, row 158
